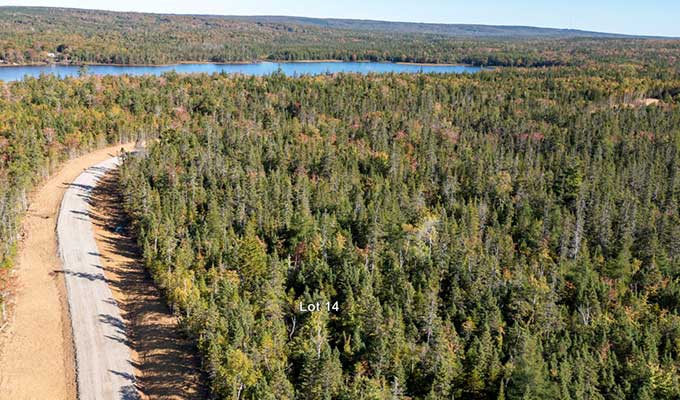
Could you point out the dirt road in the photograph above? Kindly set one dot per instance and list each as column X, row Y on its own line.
column 128, row 342
column 103, row 357
column 36, row 349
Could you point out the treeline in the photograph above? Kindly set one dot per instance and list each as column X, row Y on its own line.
column 504, row 235
column 38, row 35
column 42, row 123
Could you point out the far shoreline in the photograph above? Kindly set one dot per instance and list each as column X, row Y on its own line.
column 260, row 61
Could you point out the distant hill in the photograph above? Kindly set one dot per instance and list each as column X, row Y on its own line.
column 77, row 36
column 456, row 30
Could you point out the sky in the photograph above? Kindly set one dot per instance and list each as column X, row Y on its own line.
column 639, row 17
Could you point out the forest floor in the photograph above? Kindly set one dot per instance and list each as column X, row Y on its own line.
column 166, row 365
column 36, row 348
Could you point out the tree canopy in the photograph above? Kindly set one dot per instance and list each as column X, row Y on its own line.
column 510, row 234
column 38, row 35
column 501, row 235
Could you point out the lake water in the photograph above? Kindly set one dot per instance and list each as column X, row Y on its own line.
column 14, row 73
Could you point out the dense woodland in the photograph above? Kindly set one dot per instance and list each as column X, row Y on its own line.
column 511, row 234
column 505, row 235
column 38, row 35
column 42, row 123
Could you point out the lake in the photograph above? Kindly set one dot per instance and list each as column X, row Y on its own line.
column 14, row 73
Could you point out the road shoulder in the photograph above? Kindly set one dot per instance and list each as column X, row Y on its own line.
column 166, row 363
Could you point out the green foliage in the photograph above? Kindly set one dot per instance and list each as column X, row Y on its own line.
column 483, row 235
column 47, row 35
column 509, row 234
column 43, row 122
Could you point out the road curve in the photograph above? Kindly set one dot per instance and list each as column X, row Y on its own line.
column 104, row 366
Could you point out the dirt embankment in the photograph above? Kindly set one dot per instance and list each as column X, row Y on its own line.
column 36, row 348
column 166, row 365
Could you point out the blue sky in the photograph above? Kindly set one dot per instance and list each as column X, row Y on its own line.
column 649, row 17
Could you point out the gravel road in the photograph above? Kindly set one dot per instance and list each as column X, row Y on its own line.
column 36, row 348
column 103, row 358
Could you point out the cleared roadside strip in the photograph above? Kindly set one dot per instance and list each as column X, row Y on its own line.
column 104, row 366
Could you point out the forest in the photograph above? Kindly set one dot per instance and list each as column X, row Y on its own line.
column 511, row 234
column 504, row 235
column 70, row 36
